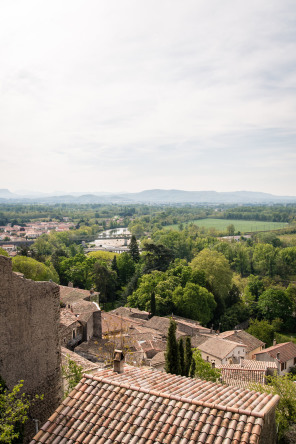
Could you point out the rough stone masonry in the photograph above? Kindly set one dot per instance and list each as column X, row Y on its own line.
column 29, row 339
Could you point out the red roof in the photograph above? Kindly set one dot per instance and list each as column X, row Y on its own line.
column 287, row 351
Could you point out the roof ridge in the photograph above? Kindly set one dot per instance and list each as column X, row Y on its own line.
column 225, row 408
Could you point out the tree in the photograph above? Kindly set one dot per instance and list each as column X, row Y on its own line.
column 72, row 372
column 181, row 357
column 218, row 275
column 285, row 387
column 264, row 259
column 188, row 356
column 32, row 269
column 125, row 268
column 217, row 271
column 3, row 252
column 156, row 257
column 203, row 369
column 14, row 408
column 134, row 249
column 172, row 359
column 262, row 330
column 275, row 303
column 105, row 281
column 230, row 230
column 152, row 304
column 194, row 302
column 137, row 229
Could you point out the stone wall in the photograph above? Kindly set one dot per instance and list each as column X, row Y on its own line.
column 29, row 332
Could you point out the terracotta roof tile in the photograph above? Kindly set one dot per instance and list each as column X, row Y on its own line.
column 287, row 351
column 122, row 411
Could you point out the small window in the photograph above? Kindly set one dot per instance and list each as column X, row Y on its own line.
column 283, row 366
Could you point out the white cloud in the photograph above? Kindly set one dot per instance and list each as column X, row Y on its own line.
column 133, row 95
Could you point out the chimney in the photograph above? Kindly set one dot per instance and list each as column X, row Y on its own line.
column 118, row 361
column 278, row 356
column 274, row 342
column 91, row 291
column 235, row 331
column 70, row 284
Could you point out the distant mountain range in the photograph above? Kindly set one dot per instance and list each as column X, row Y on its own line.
column 149, row 197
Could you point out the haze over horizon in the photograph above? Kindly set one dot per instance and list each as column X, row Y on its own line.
column 129, row 96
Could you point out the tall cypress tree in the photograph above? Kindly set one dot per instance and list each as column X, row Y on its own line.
column 114, row 265
column 188, row 356
column 181, row 357
column 134, row 249
column 192, row 369
column 172, row 359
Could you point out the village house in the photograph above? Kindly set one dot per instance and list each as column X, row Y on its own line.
column 139, row 405
column 253, row 345
column 71, row 329
column 88, row 315
column 219, row 351
column 248, row 371
column 284, row 355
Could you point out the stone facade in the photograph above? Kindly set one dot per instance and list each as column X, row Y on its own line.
column 29, row 331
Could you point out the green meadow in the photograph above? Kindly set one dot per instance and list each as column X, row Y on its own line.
column 244, row 226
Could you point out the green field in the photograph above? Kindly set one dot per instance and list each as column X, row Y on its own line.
column 244, row 226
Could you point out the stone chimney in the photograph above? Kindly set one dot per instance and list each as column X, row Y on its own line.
column 274, row 342
column 118, row 361
column 70, row 284
column 235, row 331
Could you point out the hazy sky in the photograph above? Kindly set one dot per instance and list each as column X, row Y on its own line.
column 104, row 95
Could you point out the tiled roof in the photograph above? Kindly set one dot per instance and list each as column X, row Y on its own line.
column 287, row 351
column 158, row 359
column 241, row 336
column 102, row 350
column 247, row 372
column 107, row 410
column 67, row 318
column 190, row 388
column 87, row 366
column 258, row 365
column 112, row 323
column 70, row 294
column 131, row 312
column 217, row 347
column 191, row 323
column 161, row 324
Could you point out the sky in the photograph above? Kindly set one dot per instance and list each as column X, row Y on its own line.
column 128, row 95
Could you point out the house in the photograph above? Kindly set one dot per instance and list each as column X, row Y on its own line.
column 139, row 405
column 248, row 371
column 190, row 327
column 219, row 351
column 88, row 313
column 284, row 355
column 68, row 294
column 253, row 345
column 158, row 361
column 129, row 312
column 71, row 329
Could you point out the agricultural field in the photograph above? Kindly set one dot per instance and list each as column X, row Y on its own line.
column 244, row 226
